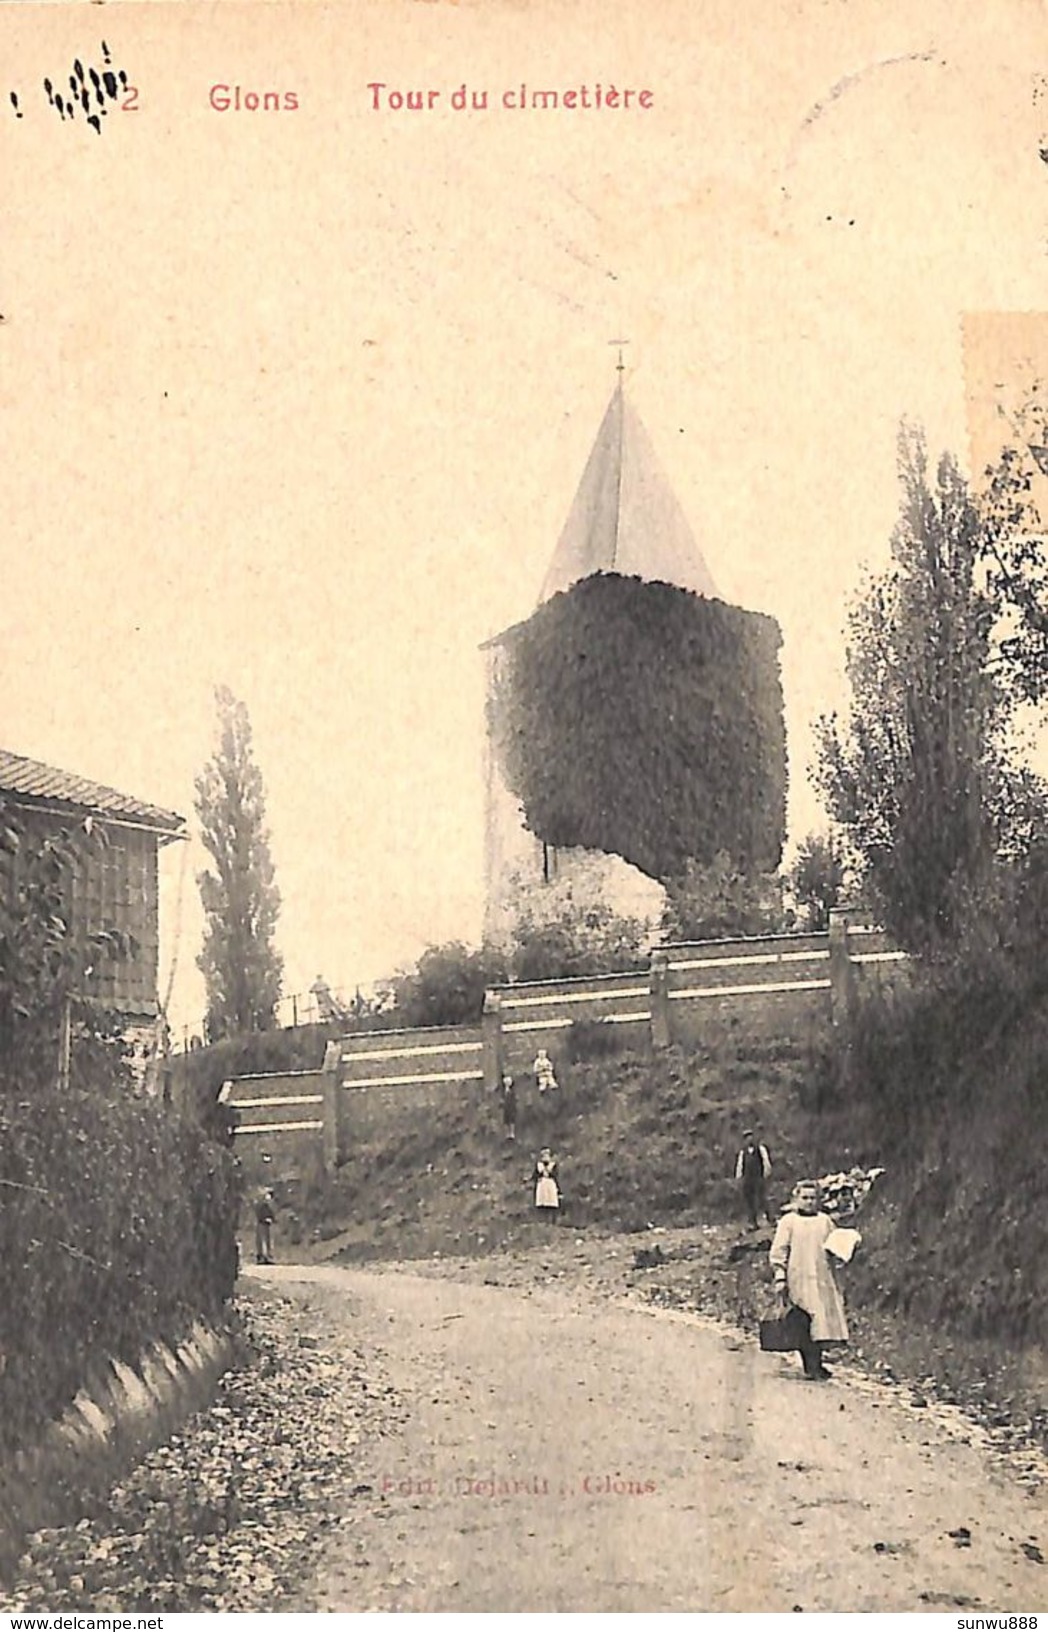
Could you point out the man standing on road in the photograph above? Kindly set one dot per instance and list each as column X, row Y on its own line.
column 752, row 1166
column 265, row 1216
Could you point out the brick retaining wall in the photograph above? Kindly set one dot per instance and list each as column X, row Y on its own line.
column 385, row 1076
column 764, row 988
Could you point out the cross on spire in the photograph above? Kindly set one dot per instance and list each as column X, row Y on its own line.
column 620, row 365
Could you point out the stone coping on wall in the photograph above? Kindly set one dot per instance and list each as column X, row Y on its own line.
column 462, row 1027
column 573, row 981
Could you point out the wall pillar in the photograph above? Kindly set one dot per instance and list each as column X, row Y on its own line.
column 842, row 994
column 491, row 1040
column 332, row 1091
column 842, row 972
column 659, row 999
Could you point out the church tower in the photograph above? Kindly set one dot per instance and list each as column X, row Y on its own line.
column 625, row 520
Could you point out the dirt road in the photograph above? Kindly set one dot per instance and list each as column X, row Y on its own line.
column 561, row 1452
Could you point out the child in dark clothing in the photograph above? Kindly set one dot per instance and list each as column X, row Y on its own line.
column 509, row 1106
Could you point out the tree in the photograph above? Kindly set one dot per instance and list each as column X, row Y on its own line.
column 817, row 878
column 1016, row 549
column 239, row 960
column 918, row 775
column 723, row 899
column 581, row 939
column 447, row 986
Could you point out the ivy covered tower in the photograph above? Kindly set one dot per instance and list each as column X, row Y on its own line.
column 634, row 720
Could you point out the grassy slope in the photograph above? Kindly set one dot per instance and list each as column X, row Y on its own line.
column 960, row 1237
column 639, row 1141
column 953, row 1279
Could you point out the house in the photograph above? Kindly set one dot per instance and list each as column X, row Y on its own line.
column 117, row 888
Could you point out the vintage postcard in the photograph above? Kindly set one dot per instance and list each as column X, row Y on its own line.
column 488, row 413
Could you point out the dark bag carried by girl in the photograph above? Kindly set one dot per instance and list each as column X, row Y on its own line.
column 785, row 1333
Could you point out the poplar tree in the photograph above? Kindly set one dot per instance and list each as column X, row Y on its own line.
column 918, row 774
column 239, row 961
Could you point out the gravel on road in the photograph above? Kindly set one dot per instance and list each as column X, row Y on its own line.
column 525, row 1432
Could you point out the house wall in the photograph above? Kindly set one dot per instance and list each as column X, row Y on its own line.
column 115, row 887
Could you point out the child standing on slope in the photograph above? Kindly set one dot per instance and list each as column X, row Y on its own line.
column 546, row 1180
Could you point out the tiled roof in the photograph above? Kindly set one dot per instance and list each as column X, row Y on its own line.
column 26, row 780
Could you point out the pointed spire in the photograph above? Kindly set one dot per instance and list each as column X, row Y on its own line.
column 625, row 517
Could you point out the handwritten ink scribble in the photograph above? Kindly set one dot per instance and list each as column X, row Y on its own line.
column 89, row 91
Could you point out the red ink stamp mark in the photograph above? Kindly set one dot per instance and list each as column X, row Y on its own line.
column 385, row 98
column 496, row 1486
column 225, row 98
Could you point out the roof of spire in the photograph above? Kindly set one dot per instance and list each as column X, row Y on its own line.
column 625, row 517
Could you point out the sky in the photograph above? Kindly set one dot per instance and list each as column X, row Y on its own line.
column 296, row 401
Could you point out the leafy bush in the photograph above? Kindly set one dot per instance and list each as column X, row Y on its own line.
column 117, row 1214
column 447, row 986
column 592, row 1040
column 647, row 722
column 916, row 1051
column 117, row 1228
column 197, row 1076
column 589, row 940
column 816, row 879
column 707, row 903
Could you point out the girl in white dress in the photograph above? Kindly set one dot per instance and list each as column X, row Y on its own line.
column 804, row 1275
column 547, row 1188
